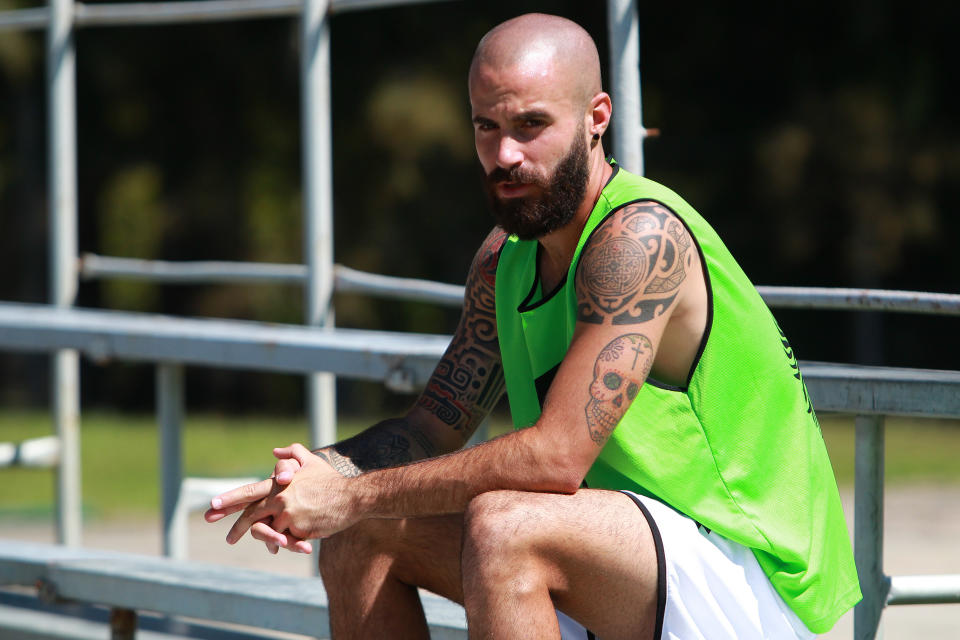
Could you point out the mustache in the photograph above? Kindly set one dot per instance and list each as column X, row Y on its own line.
column 513, row 174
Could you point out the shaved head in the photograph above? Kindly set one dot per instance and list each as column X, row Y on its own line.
column 538, row 114
column 539, row 44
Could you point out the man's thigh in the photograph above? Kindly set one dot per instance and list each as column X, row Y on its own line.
column 596, row 549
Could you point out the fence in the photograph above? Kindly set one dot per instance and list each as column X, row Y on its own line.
column 406, row 360
column 402, row 361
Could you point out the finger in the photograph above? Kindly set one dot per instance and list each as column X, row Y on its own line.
column 251, row 514
column 284, row 477
column 265, row 533
column 214, row 515
column 241, row 496
column 301, row 546
column 296, row 450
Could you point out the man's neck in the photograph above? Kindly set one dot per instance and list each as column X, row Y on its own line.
column 560, row 245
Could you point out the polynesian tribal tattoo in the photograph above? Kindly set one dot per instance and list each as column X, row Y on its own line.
column 633, row 265
column 618, row 374
column 468, row 380
column 389, row 443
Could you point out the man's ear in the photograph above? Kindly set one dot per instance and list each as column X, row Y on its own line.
column 599, row 113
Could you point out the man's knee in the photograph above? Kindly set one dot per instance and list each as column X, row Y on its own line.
column 498, row 523
column 500, row 543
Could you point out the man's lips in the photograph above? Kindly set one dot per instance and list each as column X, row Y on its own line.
column 512, row 189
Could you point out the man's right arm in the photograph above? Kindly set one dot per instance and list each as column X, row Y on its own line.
column 465, row 385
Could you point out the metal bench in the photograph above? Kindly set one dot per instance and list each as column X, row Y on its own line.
column 128, row 583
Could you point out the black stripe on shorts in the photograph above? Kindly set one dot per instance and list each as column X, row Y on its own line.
column 661, row 564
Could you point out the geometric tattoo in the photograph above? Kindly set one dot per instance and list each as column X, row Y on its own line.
column 389, row 443
column 466, row 384
column 618, row 374
column 468, row 380
column 632, row 266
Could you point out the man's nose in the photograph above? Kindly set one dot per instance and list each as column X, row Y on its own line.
column 509, row 152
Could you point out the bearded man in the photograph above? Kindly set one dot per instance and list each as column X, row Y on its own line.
column 667, row 477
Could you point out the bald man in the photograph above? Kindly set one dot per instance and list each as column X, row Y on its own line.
column 667, row 477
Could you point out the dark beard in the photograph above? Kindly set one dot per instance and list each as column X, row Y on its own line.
column 532, row 217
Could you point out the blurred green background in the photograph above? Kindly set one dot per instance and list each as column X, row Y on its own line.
column 121, row 474
column 821, row 140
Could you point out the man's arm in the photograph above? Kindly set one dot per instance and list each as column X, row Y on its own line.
column 465, row 385
column 632, row 280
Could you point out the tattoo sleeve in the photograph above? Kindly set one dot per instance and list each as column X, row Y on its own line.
column 618, row 374
column 468, row 380
column 633, row 266
column 390, row 443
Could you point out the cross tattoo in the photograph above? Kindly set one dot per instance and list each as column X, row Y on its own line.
column 637, row 348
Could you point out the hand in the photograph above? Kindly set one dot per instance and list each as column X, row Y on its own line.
column 283, row 472
column 316, row 503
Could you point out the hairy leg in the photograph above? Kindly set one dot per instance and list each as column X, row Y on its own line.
column 590, row 554
column 372, row 570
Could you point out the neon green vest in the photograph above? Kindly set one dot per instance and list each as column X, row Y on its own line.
column 738, row 449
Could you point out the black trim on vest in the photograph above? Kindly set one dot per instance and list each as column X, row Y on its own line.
column 661, row 564
column 543, row 383
column 706, row 281
column 616, row 170
column 525, row 305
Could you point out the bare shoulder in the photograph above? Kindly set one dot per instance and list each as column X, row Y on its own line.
column 634, row 266
column 481, row 281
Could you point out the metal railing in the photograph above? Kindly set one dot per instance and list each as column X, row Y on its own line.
column 60, row 19
column 402, row 361
column 406, row 360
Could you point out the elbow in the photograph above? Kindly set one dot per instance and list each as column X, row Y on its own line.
column 568, row 483
column 565, row 474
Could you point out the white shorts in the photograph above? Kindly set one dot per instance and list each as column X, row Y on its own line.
column 709, row 587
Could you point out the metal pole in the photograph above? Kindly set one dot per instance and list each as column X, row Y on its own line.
column 868, row 527
column 62, row 179
column 123, row 624
column 628, row 132
column 318, row 204
column 170, row 404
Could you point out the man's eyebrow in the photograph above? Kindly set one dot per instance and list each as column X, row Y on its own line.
column 481, row 120
column 533, row 115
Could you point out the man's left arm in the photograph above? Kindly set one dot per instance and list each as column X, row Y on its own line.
column 630, row 283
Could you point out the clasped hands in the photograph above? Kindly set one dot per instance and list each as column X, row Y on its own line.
column 304, row 498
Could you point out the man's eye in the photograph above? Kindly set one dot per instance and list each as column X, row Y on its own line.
column 534, row 123
column 486, row 126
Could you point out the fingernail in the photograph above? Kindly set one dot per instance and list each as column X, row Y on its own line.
column 216, row 503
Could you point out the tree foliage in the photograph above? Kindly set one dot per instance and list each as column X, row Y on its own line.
column 822, row 143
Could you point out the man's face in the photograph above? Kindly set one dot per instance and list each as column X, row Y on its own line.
column 530, row 138
column 553, row 206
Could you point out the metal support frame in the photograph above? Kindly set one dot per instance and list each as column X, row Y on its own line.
column 62, row 178
column 170, row 411
column 123, row 624
column 318, row 205
column 868, row 527
column 61, row 17
column 628, row 131
column 94, row 266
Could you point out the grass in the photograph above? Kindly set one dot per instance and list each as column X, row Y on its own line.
column 120, row 458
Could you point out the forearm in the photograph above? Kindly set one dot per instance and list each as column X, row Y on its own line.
column 516, row 461
column 392, row 442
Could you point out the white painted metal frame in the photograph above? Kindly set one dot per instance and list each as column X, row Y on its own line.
column 60, row 19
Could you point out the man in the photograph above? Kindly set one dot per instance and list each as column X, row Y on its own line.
column 638, row 357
